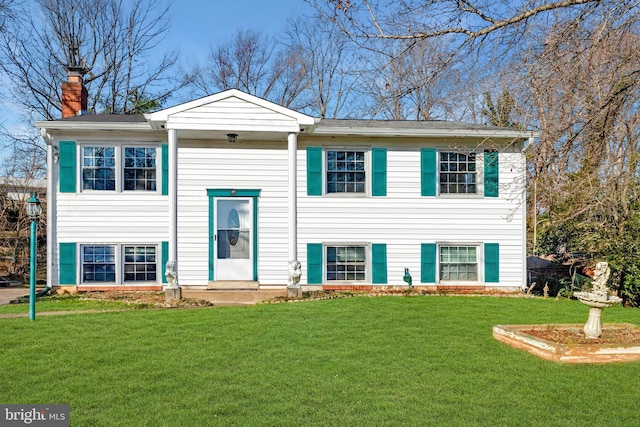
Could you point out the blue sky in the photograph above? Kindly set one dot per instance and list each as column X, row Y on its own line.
column 199, row 24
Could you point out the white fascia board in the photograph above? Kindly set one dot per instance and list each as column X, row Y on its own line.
column 451, row 133
column 92, row 126
column 162, row 116
column 293, row 127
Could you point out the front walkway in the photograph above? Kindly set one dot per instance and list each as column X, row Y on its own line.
column 234, row 297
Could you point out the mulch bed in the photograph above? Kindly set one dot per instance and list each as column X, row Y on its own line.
column 154, row 299
column 622, row 335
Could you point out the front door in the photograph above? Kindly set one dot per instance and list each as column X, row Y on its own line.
column 234, row 238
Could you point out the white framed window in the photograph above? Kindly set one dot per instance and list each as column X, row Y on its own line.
column 346, row 171
column 140, row 168
column 119, row 168
column 458, row 263
column 99, row 168
column 140, row 263
column 346, row 263
column 118, row 264
column 98, row 263
column 458, row 173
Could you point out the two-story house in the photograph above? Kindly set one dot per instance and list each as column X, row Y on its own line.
column 233, row 188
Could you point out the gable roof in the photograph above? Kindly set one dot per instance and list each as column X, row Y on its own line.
column 230, row 110
column 233, row 111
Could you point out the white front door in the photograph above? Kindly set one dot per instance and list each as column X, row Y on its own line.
column 234, row 239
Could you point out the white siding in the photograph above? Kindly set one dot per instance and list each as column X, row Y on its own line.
column 403, row 219
column 233, row 113
column 249, row 166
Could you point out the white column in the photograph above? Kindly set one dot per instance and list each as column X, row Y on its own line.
column 293, row 196
column 293, row 288
column 173, row 200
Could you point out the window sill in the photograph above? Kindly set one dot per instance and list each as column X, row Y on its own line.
column 346, row 195
column 460, row 196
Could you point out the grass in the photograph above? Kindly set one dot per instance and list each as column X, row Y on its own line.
column 358, row 361
column 64, row 303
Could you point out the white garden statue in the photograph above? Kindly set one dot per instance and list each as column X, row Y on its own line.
column 597, row 299
column 295, row 272
column 171, row 274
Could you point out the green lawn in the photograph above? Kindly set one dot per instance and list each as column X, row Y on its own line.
column 357, row 361
column 64, row 303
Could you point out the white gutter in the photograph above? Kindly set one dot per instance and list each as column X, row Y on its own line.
column 451, row 133
column 90, row 126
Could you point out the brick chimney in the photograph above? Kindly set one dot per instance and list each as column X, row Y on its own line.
column 74, row 94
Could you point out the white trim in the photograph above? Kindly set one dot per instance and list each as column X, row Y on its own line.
column 368, row 171
column 158, row 263
column 368, row 263
column 52, row 220
column 446, row 133
column 524, row 226
column 479, row 262
column 92, row 126
column 292, row 140
column 81, row 264
column 119, row 263
column 173, row 199
column 119, row 154
column 156, row 119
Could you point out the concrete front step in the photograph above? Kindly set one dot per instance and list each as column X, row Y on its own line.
column 234, row 297
column 233, row 285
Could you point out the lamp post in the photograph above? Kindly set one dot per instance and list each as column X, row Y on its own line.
column 34, row 209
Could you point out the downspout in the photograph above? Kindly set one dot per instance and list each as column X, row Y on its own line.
column 525, row 275
column 52, row 238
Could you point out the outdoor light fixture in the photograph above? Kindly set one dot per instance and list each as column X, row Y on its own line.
column 232, row 137
column 34, row 209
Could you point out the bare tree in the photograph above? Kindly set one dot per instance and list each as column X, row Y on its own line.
column 404, row 81
column 254, row 63
column 111, row 40
column 584, row 88
column 6, row 13
column 327, row 65
column 481, row 34
column 465, row 20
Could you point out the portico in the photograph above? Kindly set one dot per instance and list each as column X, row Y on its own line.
column 247, row 119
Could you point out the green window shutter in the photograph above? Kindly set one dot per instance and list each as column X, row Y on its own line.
column 491, row 262
column 68, row 165
column 165, row 169
column 428, row 171
column 314, row 171
column 379, row 167
column 314, row 263
column 428, row 256
column 165, row 258
column 67, row 262
column 379, row 263
column 491, row 174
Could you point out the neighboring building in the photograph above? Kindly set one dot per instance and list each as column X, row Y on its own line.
column 14, row 226
column 233, row 187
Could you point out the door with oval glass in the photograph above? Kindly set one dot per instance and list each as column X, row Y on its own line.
column 234, row 239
